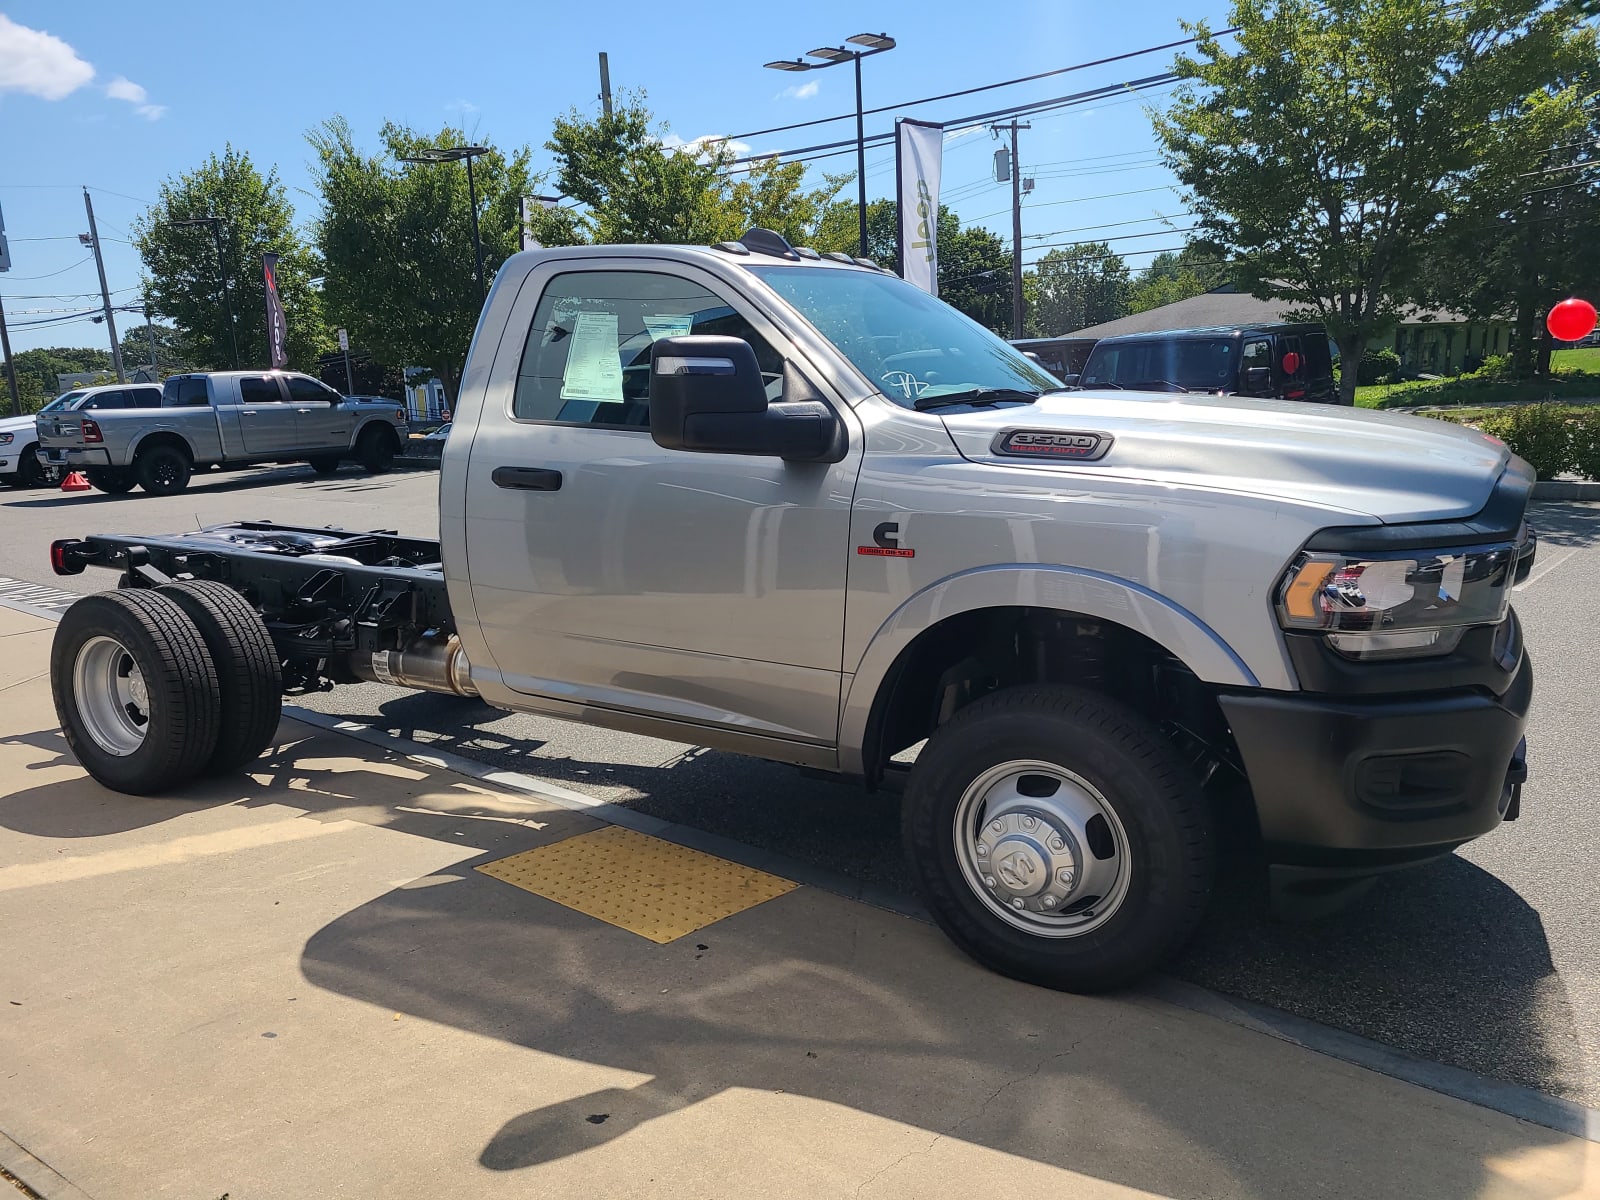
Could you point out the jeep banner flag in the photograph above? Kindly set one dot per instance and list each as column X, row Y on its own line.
column 277, row 330
column 919, row 150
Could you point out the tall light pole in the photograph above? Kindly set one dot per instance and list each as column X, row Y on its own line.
column 832, row 56
column 222, row 275
column 444, row 154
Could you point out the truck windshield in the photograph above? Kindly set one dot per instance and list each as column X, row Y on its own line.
column 62, row 402
column 1164, row 365
column 913, row 346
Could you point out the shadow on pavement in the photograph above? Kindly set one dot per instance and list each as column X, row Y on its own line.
column 1566, row 524
column 351, row 479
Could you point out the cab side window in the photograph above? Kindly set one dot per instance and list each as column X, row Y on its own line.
column 257, row 389
column 188, row 391
column 587, row 356
column 1257, row 354
column 305, row 390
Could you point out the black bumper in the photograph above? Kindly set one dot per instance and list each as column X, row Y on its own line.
column 1352, row 785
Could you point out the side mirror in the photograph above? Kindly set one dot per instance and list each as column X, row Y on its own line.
column 1258, row 379
column 707, row 395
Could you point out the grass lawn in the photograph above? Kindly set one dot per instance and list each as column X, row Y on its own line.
column 1480, row 391
column 1584, row 358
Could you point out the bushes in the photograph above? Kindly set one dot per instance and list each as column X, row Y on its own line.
column 1381, row 365
column 1552, row 437
column 1494, row 366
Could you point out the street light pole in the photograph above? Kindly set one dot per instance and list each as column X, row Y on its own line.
column 444, row 154
column 832, row 56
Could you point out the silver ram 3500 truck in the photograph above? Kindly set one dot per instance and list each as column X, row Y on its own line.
column 223, row 418
column 787, row 505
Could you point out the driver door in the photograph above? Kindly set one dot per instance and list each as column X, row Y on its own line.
column 608, row 571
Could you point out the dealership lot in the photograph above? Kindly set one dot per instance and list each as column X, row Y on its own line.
column 1489, row 960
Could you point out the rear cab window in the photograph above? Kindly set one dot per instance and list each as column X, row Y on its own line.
column 185, row 391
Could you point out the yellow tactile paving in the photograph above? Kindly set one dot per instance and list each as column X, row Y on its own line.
column 656, row 889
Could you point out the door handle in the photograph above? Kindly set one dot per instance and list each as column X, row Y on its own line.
column 530, row 479
column 248, row 412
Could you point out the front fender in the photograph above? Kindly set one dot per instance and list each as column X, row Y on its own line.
column 1064, row 589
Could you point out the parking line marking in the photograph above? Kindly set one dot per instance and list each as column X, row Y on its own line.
column 1544, row 569
column 658, row 890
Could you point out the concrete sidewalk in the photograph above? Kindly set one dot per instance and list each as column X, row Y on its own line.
column 294, row 984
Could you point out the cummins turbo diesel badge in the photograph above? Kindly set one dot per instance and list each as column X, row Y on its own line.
column 1053, row 443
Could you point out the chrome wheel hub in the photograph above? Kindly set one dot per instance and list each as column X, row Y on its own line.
column 1042, row 848
column 113, row 698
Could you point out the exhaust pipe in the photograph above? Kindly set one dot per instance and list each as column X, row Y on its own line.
column 427, row 664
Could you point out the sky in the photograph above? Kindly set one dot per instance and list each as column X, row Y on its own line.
column 119, row 97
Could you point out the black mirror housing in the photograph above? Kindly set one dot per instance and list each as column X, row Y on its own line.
column 707, row 395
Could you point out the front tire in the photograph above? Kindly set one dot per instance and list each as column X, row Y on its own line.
column 30, row 471
column 249, row 673
column 163, row 470
column 326, row 465
column 135, row 691
column 376, row 449
column 1057, row 838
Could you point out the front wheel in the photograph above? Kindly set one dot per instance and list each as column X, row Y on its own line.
column 30, row 471
column 1056, row 837
column 377, row 448
column 326, row 464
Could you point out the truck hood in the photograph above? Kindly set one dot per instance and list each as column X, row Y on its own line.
column 1388, row 467
column 16, row 424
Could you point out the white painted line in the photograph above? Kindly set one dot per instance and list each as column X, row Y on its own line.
column 1543, row 569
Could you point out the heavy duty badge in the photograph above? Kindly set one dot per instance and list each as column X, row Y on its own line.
column 1051, row 443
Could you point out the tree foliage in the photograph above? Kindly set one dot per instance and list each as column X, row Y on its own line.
column 1175, row 275
column 1075, row 287
column 636, row 184
column 1520, row 236
column 396, row 239
column 37, row 372
column 1322, row 151
column 181, row 262
column 172, row 347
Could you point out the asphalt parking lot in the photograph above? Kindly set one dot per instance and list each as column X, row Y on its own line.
column 1488, row 960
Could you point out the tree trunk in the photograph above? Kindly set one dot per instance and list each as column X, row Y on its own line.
column 452, row 383
column 1351, row 348
column 1541, row 363
column 1523, row 334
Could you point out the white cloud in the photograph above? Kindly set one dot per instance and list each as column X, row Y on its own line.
column 461, row 106
column 39, row 64
column 122, row 88
column 704, row 143
column 799, row 91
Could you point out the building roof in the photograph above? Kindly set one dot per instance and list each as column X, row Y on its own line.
column 1227, row 307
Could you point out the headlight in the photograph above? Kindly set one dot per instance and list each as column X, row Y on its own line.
column 1410, row 604
column 5, row 439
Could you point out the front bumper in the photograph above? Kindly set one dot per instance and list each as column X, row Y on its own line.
column 1353, row 785
column 57, row 456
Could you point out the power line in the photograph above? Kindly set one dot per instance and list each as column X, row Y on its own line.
column 1171, row 187
column 52, row 274
column 988, row 87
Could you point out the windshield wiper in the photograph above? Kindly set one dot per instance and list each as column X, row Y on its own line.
column 977, row 395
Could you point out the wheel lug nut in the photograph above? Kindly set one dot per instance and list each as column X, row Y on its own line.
column 1064, row 876
column 988, row 881
column 997, row 827
column 982, row 849
column 1016, row 904
column 1049, row 901
column 1058, row 843
column 1030, row 822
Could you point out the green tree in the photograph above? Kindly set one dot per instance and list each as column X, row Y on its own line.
column 181, row 262
column 1520, row 235
column 636, row 186
column 37, row 371
column 1320, row 153
column 1175, row 275
column 172, row 348
column 1076, row 287
column 396, row 239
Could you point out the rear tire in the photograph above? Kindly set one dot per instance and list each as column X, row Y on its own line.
column 30, row 471
column 135, row 691
column 163, row 470
column 1057, row 838
column 249, row 673
column 327, row 464
column 376, row 449
column 114, row 481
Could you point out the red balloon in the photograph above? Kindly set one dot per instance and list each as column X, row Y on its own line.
column 1571, row 320
column 1291, row 363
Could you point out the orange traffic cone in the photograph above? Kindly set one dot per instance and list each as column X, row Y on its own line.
column 75, row 482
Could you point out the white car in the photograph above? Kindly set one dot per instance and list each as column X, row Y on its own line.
column 19, row 441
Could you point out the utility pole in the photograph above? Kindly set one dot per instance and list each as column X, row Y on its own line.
column 1016, row 227
column 150, row 332
column 105, row 295
column 605, row 83
column 11, row 367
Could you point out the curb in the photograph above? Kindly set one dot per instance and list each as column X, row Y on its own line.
column 1566, row 489
column 38, row 1176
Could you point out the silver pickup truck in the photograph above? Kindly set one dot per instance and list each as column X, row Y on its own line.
column 757, row 498
column 227, row 418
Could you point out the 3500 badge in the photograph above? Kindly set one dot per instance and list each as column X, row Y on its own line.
column 1052, row 443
